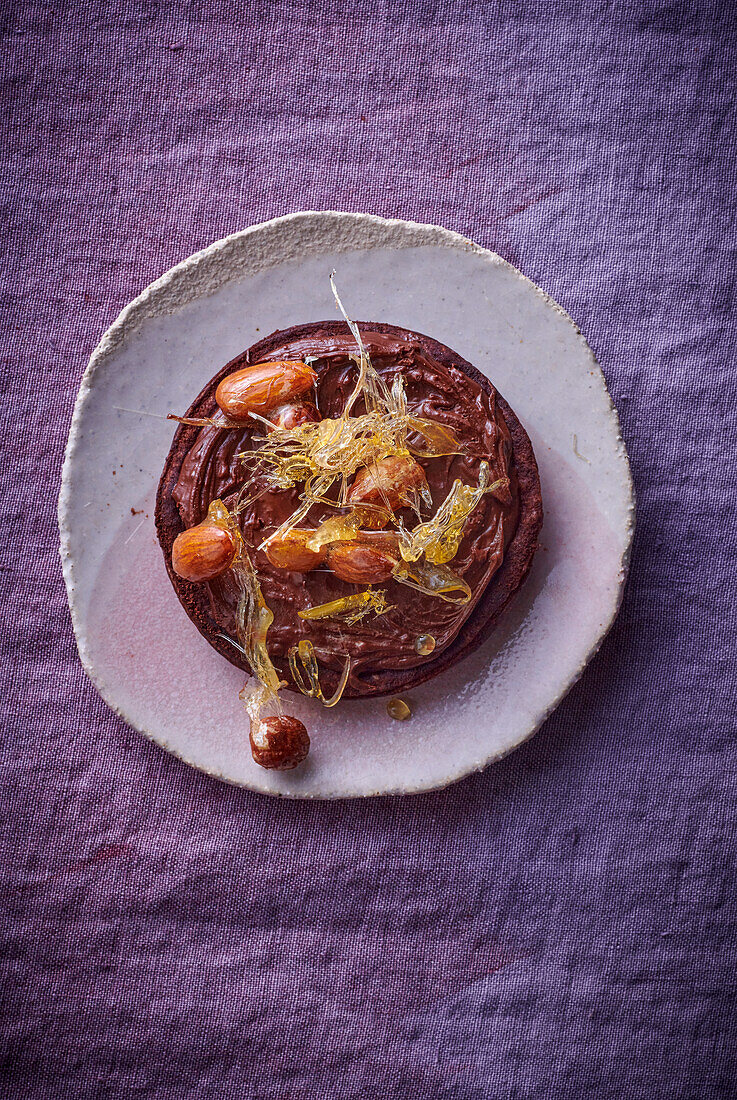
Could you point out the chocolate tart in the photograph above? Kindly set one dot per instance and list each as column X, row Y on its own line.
column 495, row 555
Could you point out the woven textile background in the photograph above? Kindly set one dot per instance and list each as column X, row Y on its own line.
column 561, row 926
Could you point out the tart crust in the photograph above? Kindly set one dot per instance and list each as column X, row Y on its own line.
column 500, row 589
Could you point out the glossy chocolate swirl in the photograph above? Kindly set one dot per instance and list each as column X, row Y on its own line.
column 212, row 468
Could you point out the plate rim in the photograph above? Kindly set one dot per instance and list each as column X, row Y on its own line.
column 153, row 300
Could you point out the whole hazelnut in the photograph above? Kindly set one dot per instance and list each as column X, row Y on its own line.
column 280, row 742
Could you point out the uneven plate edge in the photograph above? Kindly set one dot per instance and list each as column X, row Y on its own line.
column 164, row 296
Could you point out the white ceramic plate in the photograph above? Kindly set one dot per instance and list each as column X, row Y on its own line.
column 142, row 652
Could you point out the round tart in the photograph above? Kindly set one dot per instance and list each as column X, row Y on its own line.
column 440, row 534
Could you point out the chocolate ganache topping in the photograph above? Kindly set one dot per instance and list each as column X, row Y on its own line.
column 214, row 467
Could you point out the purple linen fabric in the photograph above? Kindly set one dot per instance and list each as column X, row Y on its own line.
column 561, row 926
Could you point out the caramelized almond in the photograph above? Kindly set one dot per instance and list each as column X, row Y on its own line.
column 263, row 386
column 369, row 560
column 203, row 552
column 290, row 416
column 291, row 552
column 389, row 483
